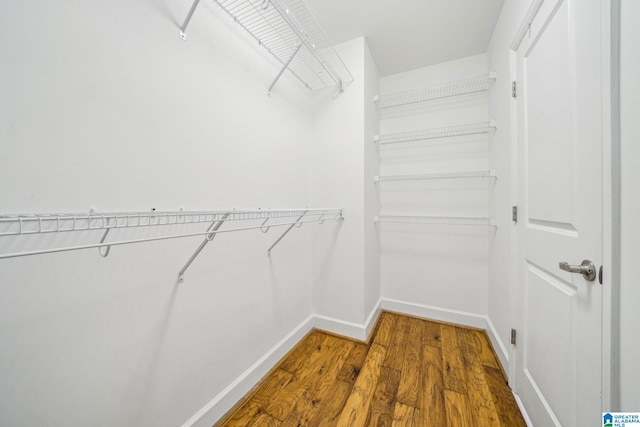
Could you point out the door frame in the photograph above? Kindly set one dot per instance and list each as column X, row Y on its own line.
column 610, row 197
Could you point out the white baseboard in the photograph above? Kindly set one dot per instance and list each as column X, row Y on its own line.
column 348, row 329
column 232, row 394
column 522, row 410
column 435, row 313
column 498, row 345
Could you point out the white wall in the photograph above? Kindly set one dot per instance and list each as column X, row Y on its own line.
column 345, row 263
column 438, row 266
column 501, row 288
column 630, row 205
column 103, row 105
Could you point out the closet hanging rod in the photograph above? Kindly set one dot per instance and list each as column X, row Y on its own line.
column 464, row 86
column 465, row 129
column 23, row 224
column 435, row 220
column 444, row 175
column 319, row 214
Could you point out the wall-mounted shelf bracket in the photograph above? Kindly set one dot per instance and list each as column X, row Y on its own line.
column 183, row 28
column 284, row 67
column 209, row 237
column 286, row 231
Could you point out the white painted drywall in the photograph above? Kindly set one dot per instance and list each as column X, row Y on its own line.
column 437, row 266
column 630, row 205
column 501, row 288
column 103, row 105
column 345, row 263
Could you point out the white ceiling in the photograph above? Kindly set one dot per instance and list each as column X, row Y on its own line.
column 407, row 34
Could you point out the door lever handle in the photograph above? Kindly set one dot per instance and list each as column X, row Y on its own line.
column 587, row 269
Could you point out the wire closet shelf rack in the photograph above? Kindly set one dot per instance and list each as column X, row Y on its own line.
column 436, row 176
column 33, row 224
column 464, row 86
column 291, row 34
column 478, row 128
column 436, row 220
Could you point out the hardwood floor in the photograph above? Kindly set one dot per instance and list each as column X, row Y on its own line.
column 414, row 373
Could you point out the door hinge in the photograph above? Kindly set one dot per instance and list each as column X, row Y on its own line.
column 513, row 336
column 514, row 213
column 513, row 89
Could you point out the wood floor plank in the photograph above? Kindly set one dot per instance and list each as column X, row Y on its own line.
column 256, row 404
column 328, row 416
column 297, row 357
column 385, row 328
column 503, row 400
column 409, row 387
column 282, row 404
column 404, row 416
column 397, row 344
column 432, row 334
column 320, row 386
column 480, row 346
column 480, row 399
column 356, row 409
column 384, row 398
column 457, row 409
column 432, row 410
column 264, row 420
column 453, row 367
column 353, row 364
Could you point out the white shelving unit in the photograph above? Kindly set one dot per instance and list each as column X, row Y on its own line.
column 436, row 176
column 287, row 30
column 33, row 224
column 436, row 220
column 436, row 133
column 464, row 86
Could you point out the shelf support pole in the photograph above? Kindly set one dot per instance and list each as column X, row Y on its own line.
column 285, row 233
column 282, row 70
column 209, row 237
column 183, row 28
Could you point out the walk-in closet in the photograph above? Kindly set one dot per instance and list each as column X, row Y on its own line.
column 319, row 213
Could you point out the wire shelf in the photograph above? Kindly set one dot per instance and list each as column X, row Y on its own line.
column 434, row 176
column 436, row 133
column 288, row 30
column 465, row 86
column 436, row 220
column 24, row 224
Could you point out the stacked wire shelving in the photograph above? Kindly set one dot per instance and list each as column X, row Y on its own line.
column 436, row 176
column 435, row 220
column 441, row 133
column 290, row 33
column 15, row 225
column 464, row 86
column 457, row 88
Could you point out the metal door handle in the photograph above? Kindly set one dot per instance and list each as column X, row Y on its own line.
column 587, row 269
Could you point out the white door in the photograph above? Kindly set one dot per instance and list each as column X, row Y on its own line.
column 559, row 149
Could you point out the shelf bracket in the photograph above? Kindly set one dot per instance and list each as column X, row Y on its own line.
column 183, row 28
column 283, row 68
column 209, row 237
column 285, row 233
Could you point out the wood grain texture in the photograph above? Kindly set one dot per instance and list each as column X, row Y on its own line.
column 458, row 410
column 415, row 373
column 384, row 398
column 356, row 409
column 404, row 416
